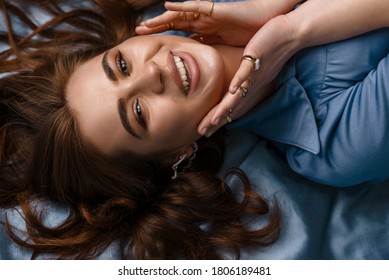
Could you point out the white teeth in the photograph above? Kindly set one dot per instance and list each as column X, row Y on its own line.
column 182, row 70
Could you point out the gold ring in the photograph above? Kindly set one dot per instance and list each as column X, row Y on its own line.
column 170, row 25
column 244, row 91
column 228, row 118
column 196, row 15
column 211, row 10
column 255, row 61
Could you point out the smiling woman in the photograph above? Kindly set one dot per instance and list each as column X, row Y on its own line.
column 95, row 122
column 135, row 91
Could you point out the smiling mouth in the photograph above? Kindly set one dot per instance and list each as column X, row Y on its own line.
column 183, row 72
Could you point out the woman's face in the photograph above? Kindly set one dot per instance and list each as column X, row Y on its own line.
column 147, row 95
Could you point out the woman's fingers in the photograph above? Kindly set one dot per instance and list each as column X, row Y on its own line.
column 183, row 16
column 202, row 7
column 168, row 21
column 184, row 11
column 228, row 102
column 144, row 30
column 233, row 104
column 205, row 125
column 248, row 66
column 226, row 111
column 166, row 17
column 239, row 86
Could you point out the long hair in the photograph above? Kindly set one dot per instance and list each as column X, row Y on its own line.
column 129, row 199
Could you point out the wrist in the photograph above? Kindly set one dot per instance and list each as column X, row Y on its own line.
column 298, row 31
column 266, row 10
column 292, row 35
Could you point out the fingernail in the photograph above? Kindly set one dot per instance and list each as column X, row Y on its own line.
column 210, row 132
column 203, row 131
column 233, row 89
column 216, row 121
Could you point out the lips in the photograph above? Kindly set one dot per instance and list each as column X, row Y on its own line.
column 185, row 71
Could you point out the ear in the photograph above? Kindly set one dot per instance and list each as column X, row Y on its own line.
column 174, row 157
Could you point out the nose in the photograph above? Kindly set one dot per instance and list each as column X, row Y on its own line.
column 149, row 78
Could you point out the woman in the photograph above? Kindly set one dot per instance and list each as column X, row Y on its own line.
column 119, row 184
column 328, row 100
column 115, row 176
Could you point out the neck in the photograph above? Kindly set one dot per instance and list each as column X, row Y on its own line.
column 231, row 57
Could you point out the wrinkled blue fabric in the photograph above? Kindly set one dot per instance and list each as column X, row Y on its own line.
column 318, row 221
column 329, row 114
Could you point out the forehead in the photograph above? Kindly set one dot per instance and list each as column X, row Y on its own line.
column 90, row 97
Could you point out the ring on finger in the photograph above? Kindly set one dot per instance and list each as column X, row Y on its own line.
column 196, row 15
column 170, row 25
column 228, row 116
column 211, row 10
column 243, row 91
column 255, row 61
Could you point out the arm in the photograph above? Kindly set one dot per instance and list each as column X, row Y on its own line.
column 319, row 21
column 315, row 22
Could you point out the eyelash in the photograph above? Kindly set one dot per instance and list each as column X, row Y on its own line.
column 138, row 113
column 137, row 108
column 121, row 64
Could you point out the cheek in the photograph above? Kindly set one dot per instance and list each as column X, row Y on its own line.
column 175, row 121
column 178, row 121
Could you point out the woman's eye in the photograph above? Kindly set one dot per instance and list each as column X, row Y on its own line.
column 138, row 113
column 121, row 64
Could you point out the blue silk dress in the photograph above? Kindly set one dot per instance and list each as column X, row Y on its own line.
column 330, row 112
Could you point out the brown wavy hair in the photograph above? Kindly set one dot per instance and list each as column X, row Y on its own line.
column 129, row 199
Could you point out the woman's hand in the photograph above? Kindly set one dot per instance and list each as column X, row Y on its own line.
column 282, row 37
column 273, row 45
column 214, row 22
column 231, row 23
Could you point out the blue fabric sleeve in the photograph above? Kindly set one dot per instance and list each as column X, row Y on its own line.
column 330, row 111
column 352, row 114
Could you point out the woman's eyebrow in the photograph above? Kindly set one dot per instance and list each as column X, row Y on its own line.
column 107, row 69
column 124, row 118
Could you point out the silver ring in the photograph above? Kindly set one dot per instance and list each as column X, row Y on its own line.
column 170, row 25
column 255, row 61
column 244, row 91
column 211, row 10
column 196, row 15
